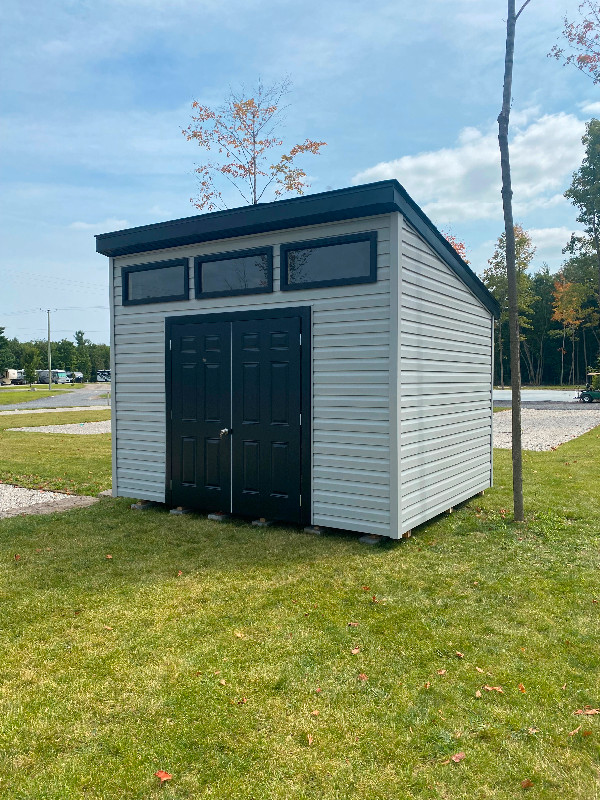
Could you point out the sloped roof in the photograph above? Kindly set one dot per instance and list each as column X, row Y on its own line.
column 366, row 200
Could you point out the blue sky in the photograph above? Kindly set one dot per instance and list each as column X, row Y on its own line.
column 94, row 96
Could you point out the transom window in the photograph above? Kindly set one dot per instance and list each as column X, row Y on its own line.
column 156, row 283
column 239, row 272
column 329, row 262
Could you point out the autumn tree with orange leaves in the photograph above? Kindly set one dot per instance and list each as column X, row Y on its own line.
column 583, row 39
column 568, row 310
column 459, row 246
column 242, row 137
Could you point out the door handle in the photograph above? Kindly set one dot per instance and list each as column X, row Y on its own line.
column 224, row 432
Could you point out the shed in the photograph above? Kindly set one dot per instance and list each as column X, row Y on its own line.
column 322, row 360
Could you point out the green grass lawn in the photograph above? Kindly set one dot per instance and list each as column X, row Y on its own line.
column 62, row 463
column 207, row 649
column 14, row 396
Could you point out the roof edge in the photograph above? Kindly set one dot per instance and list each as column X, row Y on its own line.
column 364, row 200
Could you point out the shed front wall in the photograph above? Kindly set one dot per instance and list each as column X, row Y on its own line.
column 444, row 386
column 351, row 378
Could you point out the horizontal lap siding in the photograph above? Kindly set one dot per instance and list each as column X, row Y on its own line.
column 445, row 386
column 350, row 403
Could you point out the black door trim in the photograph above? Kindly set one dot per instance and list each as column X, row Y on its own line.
column 304, row 313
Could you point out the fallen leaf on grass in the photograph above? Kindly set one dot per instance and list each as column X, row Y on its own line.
column 17, row 557
column 353, row 624
column 479, row 670
column 239, row 635
column 477, row 693
column 363, row 677
column 107, row 627
column 526, row 784
column 564, row 686
column 522, row 688
column 441, row 671
column 587, row 711
column 577, row 729
column 109, row 557
column 314, row 713
column 366, row 588
column 355, row 651
column 163, row 776
column 310, row 739
column 179, row 573
column 498, row 689
column 223, row 682
column 586, row 733
column 458, row 757
column 533, row 730
column 318, row 690
column 460, row 655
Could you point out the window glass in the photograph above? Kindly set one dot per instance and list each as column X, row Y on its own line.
column 243, row 274
column 157, row 283
column 330, row 262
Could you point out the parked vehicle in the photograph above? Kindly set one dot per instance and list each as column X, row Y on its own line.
column 20, row 379
column 592, row 388
column 103, row 375
column 7, row 377
column 58, row 376
column 76, row 377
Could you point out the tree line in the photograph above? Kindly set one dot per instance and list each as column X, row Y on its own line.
column 559, row 314
column 77, row 355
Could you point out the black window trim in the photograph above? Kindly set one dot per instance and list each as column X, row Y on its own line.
column 230, row 255
column 368, row 236
column 172, row 262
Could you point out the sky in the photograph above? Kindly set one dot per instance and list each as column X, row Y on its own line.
column 94, row 97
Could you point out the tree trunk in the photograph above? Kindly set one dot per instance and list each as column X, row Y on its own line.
column 562, row 358
column 500, row 354
column 585, row 361
column 511, row 271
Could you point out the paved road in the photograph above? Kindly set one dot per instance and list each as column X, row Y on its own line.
column 539, row 395
column 87, row 396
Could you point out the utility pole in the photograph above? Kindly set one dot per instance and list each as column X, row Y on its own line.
column 49, row 356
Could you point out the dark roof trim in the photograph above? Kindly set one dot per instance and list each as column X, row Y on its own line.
column 367, row 200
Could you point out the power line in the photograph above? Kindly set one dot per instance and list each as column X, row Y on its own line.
column 38, row 310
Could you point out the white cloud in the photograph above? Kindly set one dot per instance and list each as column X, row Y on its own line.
column 106, row 225
column 590, row 108
column 550, row 239
column 461, row 183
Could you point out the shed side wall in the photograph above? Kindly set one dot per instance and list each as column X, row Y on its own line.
column 445, row 386
column 350, row 358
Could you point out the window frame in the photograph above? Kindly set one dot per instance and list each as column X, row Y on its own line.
column 367, row 236
column 227, row 256
column 172, row 262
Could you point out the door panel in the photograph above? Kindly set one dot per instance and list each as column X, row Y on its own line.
column 266, row 453
column 201, row 408
column 243, row 375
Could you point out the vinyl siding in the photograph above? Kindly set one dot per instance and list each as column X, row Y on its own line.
column 351, row 378
column 444, row 380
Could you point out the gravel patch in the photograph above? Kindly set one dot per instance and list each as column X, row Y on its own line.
column 545, row 429
column 50, row 410
column 16, row 501
column 81, row 428
column 16, row 497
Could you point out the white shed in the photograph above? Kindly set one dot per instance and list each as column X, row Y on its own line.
column 323, row 360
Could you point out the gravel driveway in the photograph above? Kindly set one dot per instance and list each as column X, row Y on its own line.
column 545, row 429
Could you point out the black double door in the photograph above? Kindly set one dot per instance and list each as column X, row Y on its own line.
column 235, row 416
